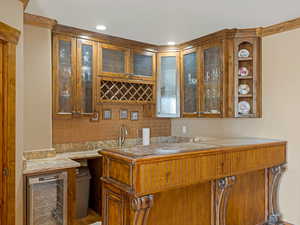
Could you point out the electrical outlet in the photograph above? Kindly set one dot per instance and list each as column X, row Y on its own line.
column 184, row 129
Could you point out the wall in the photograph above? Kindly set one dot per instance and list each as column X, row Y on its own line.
column 281, row 82
column 82, row 130
column 38, row 88
column 11, row 13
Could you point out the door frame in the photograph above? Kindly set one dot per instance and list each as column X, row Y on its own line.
column 9, row 37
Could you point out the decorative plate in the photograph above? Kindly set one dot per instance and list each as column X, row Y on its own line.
column 244, row 89
column 244, row 107
column 244, row 53
column 243, row 72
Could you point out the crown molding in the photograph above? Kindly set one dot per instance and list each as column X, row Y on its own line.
column 39, row 21
column 281, row 27
column 8, row 33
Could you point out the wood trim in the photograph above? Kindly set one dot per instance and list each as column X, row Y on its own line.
column 25, row 3
column 8, row 33
column 39, row 21
column 281, row 27
column 8, row 148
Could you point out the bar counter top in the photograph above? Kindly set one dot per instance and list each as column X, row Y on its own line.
column 178, row 145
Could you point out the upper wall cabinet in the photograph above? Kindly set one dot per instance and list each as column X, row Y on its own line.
column 73, row 76
column 122, row 62
column 203, row 81
column 168, row 85
column 143, row 64
column 114, row 60
column 220, row 76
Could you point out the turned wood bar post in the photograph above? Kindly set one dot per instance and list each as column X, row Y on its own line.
column 222, row 190
column 275, row 174
column 141, row 207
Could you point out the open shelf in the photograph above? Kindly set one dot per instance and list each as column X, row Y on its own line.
column 249, row 63
column 245, row 58
column 245, row 77
column 246, row 96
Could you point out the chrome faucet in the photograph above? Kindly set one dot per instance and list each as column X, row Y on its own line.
column 122, row 137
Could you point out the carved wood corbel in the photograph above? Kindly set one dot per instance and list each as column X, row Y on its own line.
column 275, row 173
column 141, row 207
column 222, row 191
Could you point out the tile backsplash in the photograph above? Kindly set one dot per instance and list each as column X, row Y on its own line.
column 82, row 130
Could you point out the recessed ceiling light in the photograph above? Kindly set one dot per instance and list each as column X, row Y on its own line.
column 171, row 43
column 101, row 27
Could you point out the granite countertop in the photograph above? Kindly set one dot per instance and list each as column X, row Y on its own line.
column 60, row 161
column 181, row 145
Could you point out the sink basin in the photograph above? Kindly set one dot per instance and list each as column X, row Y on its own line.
column 166, row 151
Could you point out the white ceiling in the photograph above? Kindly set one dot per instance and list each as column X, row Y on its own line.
column 160, row 21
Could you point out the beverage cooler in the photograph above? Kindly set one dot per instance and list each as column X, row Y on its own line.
column 47, row 199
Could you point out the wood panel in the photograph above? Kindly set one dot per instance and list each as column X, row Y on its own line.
column 119, row 171
column 189, row 205
column 71, row 196
column 114, row 207
column 39, row 21
column 156, row 176
column 246, row 204
column 1, row 124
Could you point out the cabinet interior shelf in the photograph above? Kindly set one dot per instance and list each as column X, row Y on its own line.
column 246, row 115
column 245, row 78
column 245, row 58
column 246, row 96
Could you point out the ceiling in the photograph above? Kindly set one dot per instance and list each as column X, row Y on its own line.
column 160, row 21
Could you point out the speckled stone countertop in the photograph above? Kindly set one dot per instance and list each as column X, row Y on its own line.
column 60, row 161
column 177, row 145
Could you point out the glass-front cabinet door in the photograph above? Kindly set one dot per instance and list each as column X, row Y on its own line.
column 168, row 101
column 212, row 78
column 143, row 65
column 190, row 85
column 74, row 69
column 64, row 79
column 86, row 75
column 114, row 60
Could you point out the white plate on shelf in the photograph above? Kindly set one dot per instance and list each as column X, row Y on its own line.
column 244, row 53
column 243, row 71
column 244, row 89
column 244, row 107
